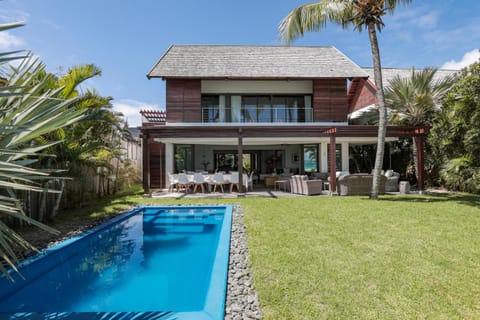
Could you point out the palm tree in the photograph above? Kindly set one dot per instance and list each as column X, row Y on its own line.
column 346, row 13
column 414, row 100
column 84, row 143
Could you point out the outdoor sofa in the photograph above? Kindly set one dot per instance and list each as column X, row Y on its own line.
column 358, row 184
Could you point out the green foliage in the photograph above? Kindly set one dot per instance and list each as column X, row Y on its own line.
column 415, row 100
column 41, row 132
column 345, row 13
column 455, row 136
column 29, row 109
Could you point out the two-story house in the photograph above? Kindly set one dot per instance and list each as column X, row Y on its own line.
column 279, row 109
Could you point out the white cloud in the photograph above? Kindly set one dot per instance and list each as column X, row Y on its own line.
column 131, row 110
column 8, row 41
column 13, row 15
column 467, row 59
column 428, row 20
column 411, row 18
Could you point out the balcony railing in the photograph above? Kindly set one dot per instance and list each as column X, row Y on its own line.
column 267, row 115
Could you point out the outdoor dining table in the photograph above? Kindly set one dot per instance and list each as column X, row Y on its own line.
column 209, row 179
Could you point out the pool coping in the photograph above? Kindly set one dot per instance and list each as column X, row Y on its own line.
column 214, row 306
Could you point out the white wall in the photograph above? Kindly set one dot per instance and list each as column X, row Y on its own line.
column 168, row 160
column 257, row 86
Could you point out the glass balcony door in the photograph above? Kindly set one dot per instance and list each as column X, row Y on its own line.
column 257, row 108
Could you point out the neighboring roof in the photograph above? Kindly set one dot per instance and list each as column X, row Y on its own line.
column 247, row 62
column 389, row 73
column 134, row 131
column 366, row 97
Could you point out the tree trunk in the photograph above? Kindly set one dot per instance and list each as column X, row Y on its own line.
column 58, row 199
column 382, row 121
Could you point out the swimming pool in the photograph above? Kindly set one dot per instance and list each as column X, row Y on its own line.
column 170, row 260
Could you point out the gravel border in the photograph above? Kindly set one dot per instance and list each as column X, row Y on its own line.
column 242, row 300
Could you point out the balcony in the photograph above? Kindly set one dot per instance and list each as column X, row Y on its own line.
column 257, row 115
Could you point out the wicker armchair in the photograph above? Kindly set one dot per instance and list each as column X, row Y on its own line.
column 300, row 184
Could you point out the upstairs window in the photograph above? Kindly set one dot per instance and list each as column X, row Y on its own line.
column 257, row 108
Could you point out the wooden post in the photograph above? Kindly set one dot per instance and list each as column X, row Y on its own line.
column 420, row 169
column 240, row 159
column 333, row 165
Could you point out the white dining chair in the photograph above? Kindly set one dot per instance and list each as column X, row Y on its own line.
column 234, row 181
column 198, row 180
column 172, row 182
column 218, row 180
column 184, row 182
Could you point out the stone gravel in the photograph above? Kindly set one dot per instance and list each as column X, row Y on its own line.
column 242, row 301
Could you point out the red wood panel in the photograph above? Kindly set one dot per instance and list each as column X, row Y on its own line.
column 183, row 100
column 330, row 101
column 157, row 165
column 366, row 97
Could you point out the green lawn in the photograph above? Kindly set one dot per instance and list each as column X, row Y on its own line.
column 353, row 258
column 407, row 257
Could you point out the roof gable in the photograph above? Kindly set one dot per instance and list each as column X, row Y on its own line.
column 248, row 62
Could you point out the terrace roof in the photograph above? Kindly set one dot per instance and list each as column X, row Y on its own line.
column 254, row 62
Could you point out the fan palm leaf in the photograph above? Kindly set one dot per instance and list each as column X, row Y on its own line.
column 29, row 108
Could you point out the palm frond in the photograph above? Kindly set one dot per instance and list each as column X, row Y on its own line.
column 314, row 17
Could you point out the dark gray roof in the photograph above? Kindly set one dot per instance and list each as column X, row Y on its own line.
column 219, row 61
column 389, row 73
column 134, row 131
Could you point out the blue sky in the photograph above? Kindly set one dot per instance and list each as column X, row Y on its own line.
column 126, row 38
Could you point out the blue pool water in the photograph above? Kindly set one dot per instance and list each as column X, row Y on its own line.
column 152, row 259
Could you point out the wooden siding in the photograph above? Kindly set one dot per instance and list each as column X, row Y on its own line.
column 330, row 101
column 184, row 100
column 157, row 165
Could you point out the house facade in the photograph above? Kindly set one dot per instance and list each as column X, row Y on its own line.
column 267, row 109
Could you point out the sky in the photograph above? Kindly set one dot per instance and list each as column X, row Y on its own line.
column 125, row 38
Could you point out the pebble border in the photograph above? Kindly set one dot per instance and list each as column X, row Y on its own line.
column 242, row 300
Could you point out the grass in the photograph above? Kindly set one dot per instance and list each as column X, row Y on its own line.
column 413, row 257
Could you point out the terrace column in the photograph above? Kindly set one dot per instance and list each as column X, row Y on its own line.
column 240, row 159
column 168, row 161
column 332, row 161
column 324, row 157
column 345, row 157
